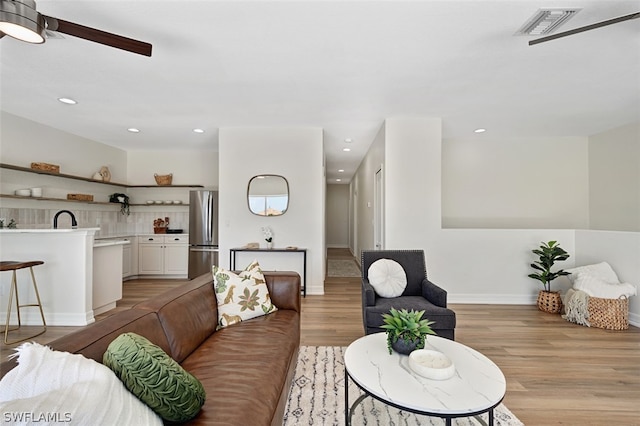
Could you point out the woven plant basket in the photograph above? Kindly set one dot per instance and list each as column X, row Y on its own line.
column 550, row 301
column 163, row 179
column 610, row 314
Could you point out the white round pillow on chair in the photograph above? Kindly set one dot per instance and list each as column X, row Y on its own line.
column 387, row 278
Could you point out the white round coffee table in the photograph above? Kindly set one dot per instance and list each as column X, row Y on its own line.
column 477, row 386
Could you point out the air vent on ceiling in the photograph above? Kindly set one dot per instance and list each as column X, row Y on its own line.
column 546, row 21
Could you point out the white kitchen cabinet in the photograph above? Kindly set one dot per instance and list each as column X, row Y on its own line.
column 126, row 261
column 130, row 257
column 107, row 281
column 163, row 254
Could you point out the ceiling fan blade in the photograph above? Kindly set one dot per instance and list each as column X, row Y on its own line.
column 98, row 36
column 635, row 15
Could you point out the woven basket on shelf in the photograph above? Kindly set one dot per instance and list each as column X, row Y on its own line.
column 163, row 179
column 610, row 314
column 549, row 301
column 53, row 168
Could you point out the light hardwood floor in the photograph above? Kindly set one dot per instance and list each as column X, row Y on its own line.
column 557, row 373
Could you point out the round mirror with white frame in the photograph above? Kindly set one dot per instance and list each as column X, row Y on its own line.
column 268, row 195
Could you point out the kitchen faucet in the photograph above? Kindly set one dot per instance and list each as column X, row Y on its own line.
column 74, row 224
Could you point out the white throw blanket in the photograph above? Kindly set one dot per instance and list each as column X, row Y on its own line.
column 577, row 307
column 52, row 387
column 597, row 287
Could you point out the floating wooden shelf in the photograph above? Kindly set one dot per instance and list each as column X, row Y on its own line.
column 62, row 175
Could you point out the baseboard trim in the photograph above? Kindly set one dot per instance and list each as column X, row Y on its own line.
column 492, row 299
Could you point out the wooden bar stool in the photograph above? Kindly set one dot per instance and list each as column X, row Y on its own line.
column 14, row 266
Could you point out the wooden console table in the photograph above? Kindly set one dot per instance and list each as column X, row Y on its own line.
column 233, row 251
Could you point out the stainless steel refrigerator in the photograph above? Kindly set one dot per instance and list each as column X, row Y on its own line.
column 203, row 232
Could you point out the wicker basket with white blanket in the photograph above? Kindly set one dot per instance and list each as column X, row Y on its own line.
column 598, row 298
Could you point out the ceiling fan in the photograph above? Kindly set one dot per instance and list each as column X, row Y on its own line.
column 20, row 19
column 600, row 24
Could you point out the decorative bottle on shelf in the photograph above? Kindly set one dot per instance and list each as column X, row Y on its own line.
column 270, row 244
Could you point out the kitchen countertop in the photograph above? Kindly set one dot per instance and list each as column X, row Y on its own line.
column 140, row 234
column 99, row 243
column 47, row 230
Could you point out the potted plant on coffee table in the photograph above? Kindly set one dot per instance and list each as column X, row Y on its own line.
column 548, row 253
column 406, row 330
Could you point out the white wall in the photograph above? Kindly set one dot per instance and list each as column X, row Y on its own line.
column 337, row 218
column 412, row 182
column 187, row 166
column 24, row 141
column 362, row 194
column 478, row 265
column 296, row 154
column 515, row 183
column 473, row 265
column 614, row 179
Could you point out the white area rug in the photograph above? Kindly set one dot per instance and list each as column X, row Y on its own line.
column 343, row 268
column 317, row 397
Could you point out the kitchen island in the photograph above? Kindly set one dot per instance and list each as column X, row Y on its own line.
column 66, row 281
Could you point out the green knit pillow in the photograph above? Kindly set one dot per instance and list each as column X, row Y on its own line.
column 154, row 377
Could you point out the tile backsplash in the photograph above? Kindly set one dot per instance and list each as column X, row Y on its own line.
column 110, row 222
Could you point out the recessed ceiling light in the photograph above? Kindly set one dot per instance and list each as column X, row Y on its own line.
column 346, row 149
column 198, row 131
column 67, row 101
column 340, row 170
column 480, row 130
column 348, row 140
column 338, row 180
column 133, row 130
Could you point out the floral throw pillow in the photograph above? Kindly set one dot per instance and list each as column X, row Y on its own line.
column 241, row 296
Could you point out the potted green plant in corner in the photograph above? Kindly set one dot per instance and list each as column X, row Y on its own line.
column 548, row 254
column 406, row 330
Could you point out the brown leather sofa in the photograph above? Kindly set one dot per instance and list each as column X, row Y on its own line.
column 246, row 369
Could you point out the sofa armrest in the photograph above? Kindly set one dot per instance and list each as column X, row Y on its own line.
column 368, row 293
column 434, row 294
column 284, row 289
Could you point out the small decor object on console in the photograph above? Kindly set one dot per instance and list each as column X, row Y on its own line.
column 548, row 254
column 406, row 330
column 163, row 180
column 268, row 236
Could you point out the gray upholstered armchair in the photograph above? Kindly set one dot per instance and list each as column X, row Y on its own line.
column 420, row 293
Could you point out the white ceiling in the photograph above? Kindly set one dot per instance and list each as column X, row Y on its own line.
column 341, row 66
